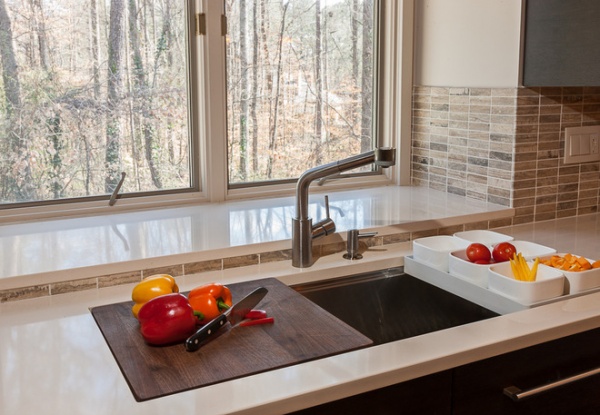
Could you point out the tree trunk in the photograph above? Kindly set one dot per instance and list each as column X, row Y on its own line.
column 142, row 94
column 243, row 169
column 95, row 54
column 16, row 174
column 55, row 173
column 12, row 89
column 95, row 47
column 264, row 16
column 254, row 94
column 273, row 131
column 366, row 141
column 39, row 27
column 318, row 85
column 355, row 62
column 114, row 82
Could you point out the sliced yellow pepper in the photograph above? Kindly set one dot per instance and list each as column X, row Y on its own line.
column 521, row 270
column 151, row 287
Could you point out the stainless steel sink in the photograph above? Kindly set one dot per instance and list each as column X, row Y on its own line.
column 390, row 305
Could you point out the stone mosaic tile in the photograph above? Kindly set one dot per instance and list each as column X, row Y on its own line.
column 240, row 261
column 202, row 266
column 513, row 139
column 24, row 293
column 275, row 256
column 73, row 286
column 119, row 279
column 173, row 270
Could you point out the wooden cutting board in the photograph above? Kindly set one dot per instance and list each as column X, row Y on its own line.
column 302, row 331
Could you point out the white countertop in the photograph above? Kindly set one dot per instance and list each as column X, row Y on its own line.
column 96, row 241
column 53, row 358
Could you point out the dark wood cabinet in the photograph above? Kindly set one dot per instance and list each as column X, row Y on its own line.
column 561, row 46
column 428, row 395
column 478, row 387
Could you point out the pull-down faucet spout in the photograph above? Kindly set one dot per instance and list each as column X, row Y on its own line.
column 303, row 231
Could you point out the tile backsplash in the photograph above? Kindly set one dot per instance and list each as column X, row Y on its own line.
column 505, row 145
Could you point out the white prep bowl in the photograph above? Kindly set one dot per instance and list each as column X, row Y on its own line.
column 460, row 266
column 488, row 238
column 578, row 281
column 531, row 250
column 549, row 283
column 434, row 250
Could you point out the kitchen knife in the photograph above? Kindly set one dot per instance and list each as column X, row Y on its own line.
column 233, row 315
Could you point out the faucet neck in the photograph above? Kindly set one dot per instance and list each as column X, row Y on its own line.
column 325, row 170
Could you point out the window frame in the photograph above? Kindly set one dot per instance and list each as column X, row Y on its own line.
column 208, row 123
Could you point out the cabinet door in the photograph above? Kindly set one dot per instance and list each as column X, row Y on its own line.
column 561, row 45
column 428, row 395
column 478, row 387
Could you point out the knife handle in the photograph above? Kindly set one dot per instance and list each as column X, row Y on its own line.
column 194, row 342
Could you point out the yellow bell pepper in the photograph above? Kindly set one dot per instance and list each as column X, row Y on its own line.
column 151, row 287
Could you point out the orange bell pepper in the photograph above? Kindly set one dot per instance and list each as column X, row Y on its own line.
column 569, row 262
column 210, row 300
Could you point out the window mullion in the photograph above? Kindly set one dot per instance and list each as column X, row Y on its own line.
column 214, row 105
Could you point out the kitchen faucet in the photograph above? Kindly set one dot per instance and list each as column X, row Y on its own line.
column 303, row 231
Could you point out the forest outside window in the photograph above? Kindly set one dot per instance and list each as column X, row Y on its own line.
column 299, row 85
column 90, row 90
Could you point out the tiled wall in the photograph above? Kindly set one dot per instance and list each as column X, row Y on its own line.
column 504, row 145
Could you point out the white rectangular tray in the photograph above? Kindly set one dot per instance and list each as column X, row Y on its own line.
column 472, row 292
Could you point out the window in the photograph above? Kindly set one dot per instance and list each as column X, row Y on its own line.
column 90, row 90
column 94, row 89
column 299, row 85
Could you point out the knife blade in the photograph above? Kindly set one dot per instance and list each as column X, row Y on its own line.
column 233, row 315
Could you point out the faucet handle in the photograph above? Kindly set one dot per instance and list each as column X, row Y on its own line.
column 325, row 226
column 327, row 207
column 352, row 237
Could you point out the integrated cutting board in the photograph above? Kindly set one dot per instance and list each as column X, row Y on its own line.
column 302, row 331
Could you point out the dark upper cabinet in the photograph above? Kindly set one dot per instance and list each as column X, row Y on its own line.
column 562, row 43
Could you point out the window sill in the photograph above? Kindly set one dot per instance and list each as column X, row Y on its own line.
column 74, row 254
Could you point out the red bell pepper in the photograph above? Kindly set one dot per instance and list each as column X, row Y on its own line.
column 257, row 321
column 167, row 319
column 210, row 300
column 256, row 314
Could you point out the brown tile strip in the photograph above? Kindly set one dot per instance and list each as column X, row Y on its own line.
column 73, row 286
column 24, row 293
column 119, row 279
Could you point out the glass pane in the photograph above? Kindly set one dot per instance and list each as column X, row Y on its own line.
column 91, row 89
column 300, row 85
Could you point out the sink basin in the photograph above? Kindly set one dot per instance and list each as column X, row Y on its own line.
column 389, row 305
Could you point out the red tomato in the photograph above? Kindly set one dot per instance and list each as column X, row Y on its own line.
column 503, row 251
column 478, row 252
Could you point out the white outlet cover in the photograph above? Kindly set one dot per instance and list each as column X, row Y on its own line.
column 581, row 144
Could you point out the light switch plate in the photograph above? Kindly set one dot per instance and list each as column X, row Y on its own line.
column 582, row 144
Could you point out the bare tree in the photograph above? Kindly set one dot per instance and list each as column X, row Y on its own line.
column 276, row 95
column 366, row 143
column 318, row 84
column 243, row 173
column 254, row 91
column 114, row 82
column 39, row 28
column 16, row 176
column 10, row 72
column 142, row 94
